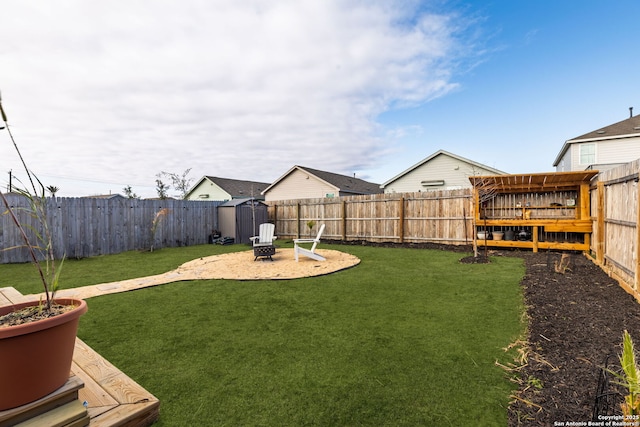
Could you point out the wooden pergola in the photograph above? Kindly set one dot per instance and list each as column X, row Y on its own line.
column 553, row 207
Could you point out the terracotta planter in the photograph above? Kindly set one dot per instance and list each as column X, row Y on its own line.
column 35, row 358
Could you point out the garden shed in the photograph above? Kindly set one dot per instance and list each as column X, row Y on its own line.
column 537, row 211
column 241, row 218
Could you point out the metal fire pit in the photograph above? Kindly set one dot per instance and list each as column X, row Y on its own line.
column 264, row 252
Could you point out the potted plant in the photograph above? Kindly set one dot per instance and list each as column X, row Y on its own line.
column 37, row 339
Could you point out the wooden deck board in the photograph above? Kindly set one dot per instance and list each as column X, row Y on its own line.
column 9, row 296
column 98, row 400
column 4, row 301
column 113, row 398
column 144, row 414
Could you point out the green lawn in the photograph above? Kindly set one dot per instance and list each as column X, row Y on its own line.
column 408, row 337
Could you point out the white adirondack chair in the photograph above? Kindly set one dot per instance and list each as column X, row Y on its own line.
column 266, row 236
column 310, row 253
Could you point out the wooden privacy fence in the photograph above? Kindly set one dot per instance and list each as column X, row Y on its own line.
column 615, row 213
column 443, row 217
column 83, row 227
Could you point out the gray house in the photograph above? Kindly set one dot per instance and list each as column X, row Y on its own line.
column 602, row 148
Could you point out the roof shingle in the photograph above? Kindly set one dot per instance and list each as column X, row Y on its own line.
column 238, row 188
column 630, row 126
column 345, row 183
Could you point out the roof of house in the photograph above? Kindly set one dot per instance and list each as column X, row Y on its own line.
column 105, row 196
column 236, row 202
column 235, row 187
column 436, row 154
column 623, row 129
column 344, row 183
column 239, row 188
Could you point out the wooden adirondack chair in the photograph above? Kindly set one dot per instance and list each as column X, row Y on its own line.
column 263, row 244
column 266, row 236
column 310, row 253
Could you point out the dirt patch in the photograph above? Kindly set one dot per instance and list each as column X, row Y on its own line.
column 411, row 245
column 480, row 259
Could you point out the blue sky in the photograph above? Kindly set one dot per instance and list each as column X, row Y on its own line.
column 101, row 95
column 553, row 70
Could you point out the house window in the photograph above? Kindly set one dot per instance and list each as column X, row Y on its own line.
column 587, row 154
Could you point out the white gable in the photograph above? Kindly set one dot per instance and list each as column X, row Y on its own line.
column 440, row 172
column 207, row 190
column 299, row 184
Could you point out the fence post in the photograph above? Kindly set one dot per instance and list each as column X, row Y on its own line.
column 298, row 220
column 401, row 224
column 637, row 266
column 600, row 212
column 585, row 198
column 275, row 215
column 343, row 214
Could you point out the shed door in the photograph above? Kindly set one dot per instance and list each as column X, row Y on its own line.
column 248, row 220
column 226, row 221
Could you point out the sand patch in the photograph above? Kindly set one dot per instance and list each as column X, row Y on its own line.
column 233, row 266
column 241, row 266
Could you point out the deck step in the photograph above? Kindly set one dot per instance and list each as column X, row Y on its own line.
column 72, row 414
column 66, row 394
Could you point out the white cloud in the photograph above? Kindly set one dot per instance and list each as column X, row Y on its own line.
column 120, row 90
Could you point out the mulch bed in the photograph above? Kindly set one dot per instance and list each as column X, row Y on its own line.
column 576, row 321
